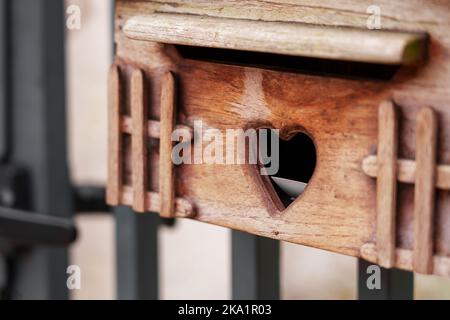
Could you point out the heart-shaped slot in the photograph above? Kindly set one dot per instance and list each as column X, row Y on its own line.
column 296, row 164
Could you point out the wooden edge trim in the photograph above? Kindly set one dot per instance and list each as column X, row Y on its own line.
column 113, row 193
column 297, row 39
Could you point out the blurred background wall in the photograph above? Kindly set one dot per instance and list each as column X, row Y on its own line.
column 190, row 267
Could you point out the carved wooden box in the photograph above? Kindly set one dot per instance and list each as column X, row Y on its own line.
column 363, row 116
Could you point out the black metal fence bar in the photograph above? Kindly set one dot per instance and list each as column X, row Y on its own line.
column 137, row 255
column 4, row 130
column 26, row 228
column 255, row 267
column 136, row 246
column 38, row 134
column 4, row 75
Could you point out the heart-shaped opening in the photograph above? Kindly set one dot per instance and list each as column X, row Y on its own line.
column 296, row 164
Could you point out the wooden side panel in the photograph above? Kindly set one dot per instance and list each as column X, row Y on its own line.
column 115, row 160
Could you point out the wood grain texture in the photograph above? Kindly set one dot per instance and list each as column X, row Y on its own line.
column 362, row 45
column 337, row 212
column 113, row 193
column 153, row 128
column 424, row 196
column 166, row 166
column 139, row 140
column 387, row 184
column 183, row 207
column 406, row 172
column 404, row 260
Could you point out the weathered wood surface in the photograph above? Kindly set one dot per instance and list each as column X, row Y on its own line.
column 406, row 172
column 139, row 153
column 387, row 184
column 297, row 39
column 166, row 166
column 424, row 195
column 115, row 161
column 337, row 212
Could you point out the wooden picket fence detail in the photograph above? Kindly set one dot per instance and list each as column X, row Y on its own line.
column 140, row 128
column 424, row 173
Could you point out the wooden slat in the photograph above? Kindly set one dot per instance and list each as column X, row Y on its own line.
column 363, row 45
column 426, row 145
column 183, row 208
column 404, row 259
column 153, row 128
column 139, row 140
column 114, row 138
column 166, row 167
column 407, row 171
column 387, row 184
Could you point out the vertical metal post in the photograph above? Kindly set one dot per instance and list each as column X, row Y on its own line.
column 395, row 284
column 137, row 252
column 4, row 76
column 37, row 63
column 4, row 123
column 255, row 267
column 136, row 248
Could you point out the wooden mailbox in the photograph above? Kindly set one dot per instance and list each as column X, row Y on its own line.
column 375, row 104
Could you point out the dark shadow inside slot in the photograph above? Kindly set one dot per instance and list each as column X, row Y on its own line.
column 293, row 64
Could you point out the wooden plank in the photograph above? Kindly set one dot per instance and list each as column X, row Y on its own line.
column 139, row 140
column 166, row 167
column 316, row 41
column 404, row 259
column 406, row 172
column 424, row 196
column 324, row 12
column 153, row 128
column 115, row 161
column 183, row 207
column 387, row 184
